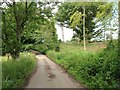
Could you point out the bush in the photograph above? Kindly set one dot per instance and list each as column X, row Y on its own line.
column 14, row 73
column 26, row 47
column 43, row 48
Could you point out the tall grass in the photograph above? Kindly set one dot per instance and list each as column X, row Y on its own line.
column 14, row 72
column 96, row 69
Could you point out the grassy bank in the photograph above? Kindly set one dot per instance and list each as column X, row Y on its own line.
column 95, row 68
column 14, row 73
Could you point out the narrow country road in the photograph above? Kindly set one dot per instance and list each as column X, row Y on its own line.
column 51, row 75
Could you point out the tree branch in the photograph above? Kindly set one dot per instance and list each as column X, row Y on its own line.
column 26, row 14
column 12, row 27
column 8, row 4
column 14, row 10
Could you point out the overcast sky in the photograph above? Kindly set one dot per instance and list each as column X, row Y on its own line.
column 68, row 33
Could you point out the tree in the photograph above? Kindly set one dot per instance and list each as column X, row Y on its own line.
column 40, row 33
column 24, row 24
column 76, row 20
column 66, row 10
column 104, row 15
column 84, row 27
column 18, row 13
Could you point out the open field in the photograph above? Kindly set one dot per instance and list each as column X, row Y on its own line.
column 90, row 47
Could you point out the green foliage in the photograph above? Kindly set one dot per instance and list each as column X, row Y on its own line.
column 96, row 70
column 46, row 38
column 112, row 44
column 36, row 31
column 43, row 36
column 75, row 19
column 64, row 12
column 68, row 15
column 104, row 11
column 26, row 47
column 104, row 17
column 14, row 73
column 15, row 19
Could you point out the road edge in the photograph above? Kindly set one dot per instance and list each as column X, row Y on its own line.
column 71, row 76
column 27, row 79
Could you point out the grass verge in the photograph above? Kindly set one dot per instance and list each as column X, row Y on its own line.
column 14, row 73
column 95, row 69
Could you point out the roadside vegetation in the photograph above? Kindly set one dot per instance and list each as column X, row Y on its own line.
column 15, row 72
column 95, row 69
column 28, row 26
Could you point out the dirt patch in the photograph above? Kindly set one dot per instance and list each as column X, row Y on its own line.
column 51, row 75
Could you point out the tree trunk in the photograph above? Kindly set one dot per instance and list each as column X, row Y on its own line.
column 18, row 31
column 111, row 35
column 78, row 40
column 84, row 28
column 18, row 45
column 110, row 30
column 119, row 33
column 20, row 23
column 62, row 31
column 16, row 54
column 104, row 33
column 18, row 37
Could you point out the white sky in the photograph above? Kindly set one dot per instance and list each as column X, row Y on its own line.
column 68, row 33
